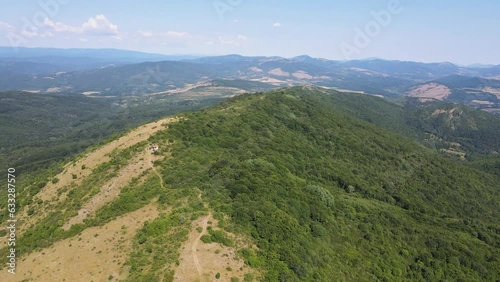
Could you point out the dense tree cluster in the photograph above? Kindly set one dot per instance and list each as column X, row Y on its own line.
column 325, row 194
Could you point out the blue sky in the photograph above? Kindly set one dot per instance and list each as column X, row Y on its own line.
column 463, row 32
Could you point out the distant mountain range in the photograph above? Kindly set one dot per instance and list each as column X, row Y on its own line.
column 47, row 60
column 111, row 72
column 114, row 55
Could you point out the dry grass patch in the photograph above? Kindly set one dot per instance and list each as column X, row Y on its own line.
column 430, row 90
column 200, row 261
column 95, row 255
column 82, row 168
column 111, row 189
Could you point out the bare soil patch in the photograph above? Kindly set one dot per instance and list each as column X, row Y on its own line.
column 491, row 90
column 97, row 254
column 111, row 190
column 302, row 75
column 83, row 167
column 201, row 262
column 278, row 72
column 430, row 90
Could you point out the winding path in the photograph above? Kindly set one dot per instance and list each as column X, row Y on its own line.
column 195, row 246
column 150, row 162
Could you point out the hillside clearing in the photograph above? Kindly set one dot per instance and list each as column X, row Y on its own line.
column 95, row 255
column 83, row 167
column 201, row 261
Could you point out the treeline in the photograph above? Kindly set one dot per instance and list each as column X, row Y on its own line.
column 38, row 130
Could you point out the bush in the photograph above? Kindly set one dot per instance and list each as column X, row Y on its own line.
column 207, row 239
column 218, row 236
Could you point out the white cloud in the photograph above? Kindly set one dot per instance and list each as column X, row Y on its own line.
column 168, row 34
column 224, row 41
column 276, row 24
column 100, row 25
column 177, row 34
column 29, row 34
column 6, row 27
column 36, row 33
column 145, row 33
column 231, row 40
column 60, row 27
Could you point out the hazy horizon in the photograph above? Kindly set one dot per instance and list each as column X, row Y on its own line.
column 229, row 54
column 405, row 30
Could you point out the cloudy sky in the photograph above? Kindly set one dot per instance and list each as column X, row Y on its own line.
column 463, row 32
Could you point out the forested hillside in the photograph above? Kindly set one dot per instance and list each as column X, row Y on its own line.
column 302, row 184
column 325, row 194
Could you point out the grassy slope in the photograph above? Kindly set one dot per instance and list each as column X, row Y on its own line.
column 326, row 194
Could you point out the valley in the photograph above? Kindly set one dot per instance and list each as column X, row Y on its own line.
column 229, row 75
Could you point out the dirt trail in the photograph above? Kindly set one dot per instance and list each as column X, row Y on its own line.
column 201, row 262
column 194, row 249
column 190, row 268
column 150, row 161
